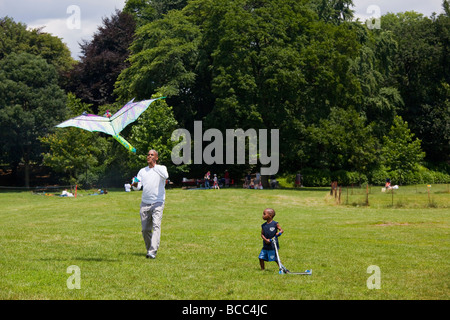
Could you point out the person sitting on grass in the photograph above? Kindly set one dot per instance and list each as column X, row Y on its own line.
column 269, row 229
column 65, row 193
column 388, row 185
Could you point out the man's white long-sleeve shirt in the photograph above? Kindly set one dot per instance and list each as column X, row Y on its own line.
column 153, row 182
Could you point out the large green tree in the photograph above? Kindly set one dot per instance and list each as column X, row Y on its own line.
column 31, row 103
column 294, row 66
column 378, row 99
column 245, row 64
column 165, row 54
column 15, row 38
column 343, row 141
column 401, row 152
column 422, row 75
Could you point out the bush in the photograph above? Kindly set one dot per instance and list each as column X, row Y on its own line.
column 341, row 176
column 418, row 176
column 378, row 176
column 316, row 177
column 357, row 178
column 412, row 178
column 346, row 178
column 323, row 178
column 441, row 177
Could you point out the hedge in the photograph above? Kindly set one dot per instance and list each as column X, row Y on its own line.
column 322, row 177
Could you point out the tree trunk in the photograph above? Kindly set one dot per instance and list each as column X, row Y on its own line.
column 265, row 181
column 27, row 169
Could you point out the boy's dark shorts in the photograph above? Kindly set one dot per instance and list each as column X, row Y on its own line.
column 268, row 255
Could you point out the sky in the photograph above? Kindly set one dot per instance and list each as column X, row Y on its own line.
column 77, row 20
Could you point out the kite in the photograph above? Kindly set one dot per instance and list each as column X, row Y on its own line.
column 111, row 124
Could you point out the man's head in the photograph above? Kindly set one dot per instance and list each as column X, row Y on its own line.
column 152, row 157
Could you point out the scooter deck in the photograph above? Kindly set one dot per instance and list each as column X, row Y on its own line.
column 301, row 273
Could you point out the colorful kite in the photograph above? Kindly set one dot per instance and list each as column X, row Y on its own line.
column 111, row 124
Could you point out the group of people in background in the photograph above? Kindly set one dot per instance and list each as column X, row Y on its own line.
column 252, row 183
column 215, row 180
column 256, row 182
column 212, row 181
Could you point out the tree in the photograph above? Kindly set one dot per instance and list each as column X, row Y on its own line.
column 293, row 65
column 275, row 66
column 145, row 11
column 53, row 50
column 164, row 56
column 31, row 103
column 333, row 11
column 401, row 153
column 153, row 130
column 142, row 11
column 343, row 141
column 378, row 99
column 15, row 38
column 102, row 60
column 245, row 64
column 421, row 73
column 446, row 7
column 81, row 156
column 78, row 155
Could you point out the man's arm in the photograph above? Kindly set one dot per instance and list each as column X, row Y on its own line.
column 137, row 184
column 162, row 171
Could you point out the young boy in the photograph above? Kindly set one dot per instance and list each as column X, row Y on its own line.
column 269, row 229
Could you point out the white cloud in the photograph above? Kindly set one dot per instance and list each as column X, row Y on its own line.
column 63, row 29
column 30, row 10
column 385, row 6
column 56, row 19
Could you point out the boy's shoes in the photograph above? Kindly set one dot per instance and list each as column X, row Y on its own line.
column 150, row 256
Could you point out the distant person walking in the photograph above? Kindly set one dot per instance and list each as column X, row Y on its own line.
column 216, row 182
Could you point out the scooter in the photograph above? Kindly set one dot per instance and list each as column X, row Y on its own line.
column 283, row 269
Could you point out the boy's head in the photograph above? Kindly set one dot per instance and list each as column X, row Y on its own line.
column 268, row 214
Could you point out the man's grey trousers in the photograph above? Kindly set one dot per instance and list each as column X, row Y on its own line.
column 151, row 216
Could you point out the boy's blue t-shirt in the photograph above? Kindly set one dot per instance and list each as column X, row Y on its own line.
column 269, row 231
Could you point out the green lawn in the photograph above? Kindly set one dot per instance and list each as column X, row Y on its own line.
column 210, row 245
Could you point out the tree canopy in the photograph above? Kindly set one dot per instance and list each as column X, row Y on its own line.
column 344, row 97
column 31, row 102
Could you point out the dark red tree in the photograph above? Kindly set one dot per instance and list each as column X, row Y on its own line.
column 103, row 58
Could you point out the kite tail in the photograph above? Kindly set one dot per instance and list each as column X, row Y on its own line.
column 125, row 143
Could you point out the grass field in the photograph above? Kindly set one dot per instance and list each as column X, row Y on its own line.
column 210, row 244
